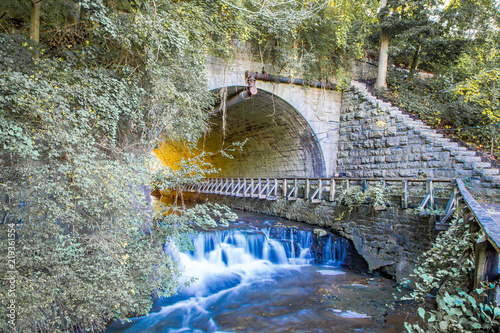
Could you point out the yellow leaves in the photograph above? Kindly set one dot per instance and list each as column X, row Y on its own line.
column 381, row 123
column 132, row 291
column 124, row 245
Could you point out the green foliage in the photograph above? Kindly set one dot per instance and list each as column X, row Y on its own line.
column 378, row 195
column 429, row 211
column 77, row 126
column 354, row 196
column 444, row 273
column 483, row 91
column 410, row 25
column 467, row 110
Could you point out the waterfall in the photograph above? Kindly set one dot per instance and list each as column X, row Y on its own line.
column 279, row 247
column 237, row 269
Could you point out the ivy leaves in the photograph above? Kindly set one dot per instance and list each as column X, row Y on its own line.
column 443, row 277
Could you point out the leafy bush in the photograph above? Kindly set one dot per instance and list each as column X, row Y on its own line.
column 444, row 273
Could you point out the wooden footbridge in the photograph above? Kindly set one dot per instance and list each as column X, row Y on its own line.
column 444, row 196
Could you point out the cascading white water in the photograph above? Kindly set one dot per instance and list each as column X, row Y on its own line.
column 256, row 280
column 273, row 279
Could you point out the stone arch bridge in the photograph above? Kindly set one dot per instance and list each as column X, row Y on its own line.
column 297, row 132
column 302, row 131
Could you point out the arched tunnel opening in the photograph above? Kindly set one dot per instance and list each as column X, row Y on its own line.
column 279, row 141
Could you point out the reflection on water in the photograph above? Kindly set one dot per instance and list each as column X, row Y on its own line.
column 270, row 278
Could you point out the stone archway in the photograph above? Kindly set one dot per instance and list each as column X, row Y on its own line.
column 280, row 142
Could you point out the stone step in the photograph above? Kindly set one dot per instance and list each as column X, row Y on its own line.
column 400, row 118
column 416, row 124
column 492, row 178
column 468, row 159
column 451, row 148
column 482, row 165
column 462, row 151
column 488, row 172
column 429, row 134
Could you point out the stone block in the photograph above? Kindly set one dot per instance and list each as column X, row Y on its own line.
column 444, row 156
column 416, row 149
column 408, row 173
column 429, row 156
column 413, row 157
column 468, row 159
column 368, row 144
column 379, row 159
column 375, row 134
column 392, row 141
column 426, row 173
column 403, row 140
column 392, row 158
column 435, row 164
column 492, row 193
column 463, row 173
column 359, row 115
column 378, row 143
column 342, row 154
column 466, row 166
column 391, row 174
column 368, row 174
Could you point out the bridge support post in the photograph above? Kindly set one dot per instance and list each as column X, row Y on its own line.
column 307, row 189
column 364, row 185
column 332, row 190
column 430, row 190
column 404, row 196
column 486, row 267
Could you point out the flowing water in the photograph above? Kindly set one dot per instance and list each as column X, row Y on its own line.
column 264, row 274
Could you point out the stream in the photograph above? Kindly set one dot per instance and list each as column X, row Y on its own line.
column 266, row 274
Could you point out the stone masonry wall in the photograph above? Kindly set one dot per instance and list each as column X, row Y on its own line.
column 390, row 241
column 378, row 140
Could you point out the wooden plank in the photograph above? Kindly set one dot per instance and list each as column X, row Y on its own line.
column 442, row 225
column 275, row 193
column 264, row 189
column 243, row 188
column 486, row 267
column 284, row 187
column 404, row 196
column 332, row 190
column 249, row 190
column 429, row 185
column 256, row 190
column 452, row 201
column 293, row 190
column 320, row 186
column 486, row 223
column 271, row 193
column 425, row 201
column 307, row 189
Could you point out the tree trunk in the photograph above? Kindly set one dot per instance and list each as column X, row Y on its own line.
column 35, row 20
column 383, row 57
column 74, row 13
column 414, row 61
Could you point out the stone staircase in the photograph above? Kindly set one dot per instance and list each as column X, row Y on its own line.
column 438, row 154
